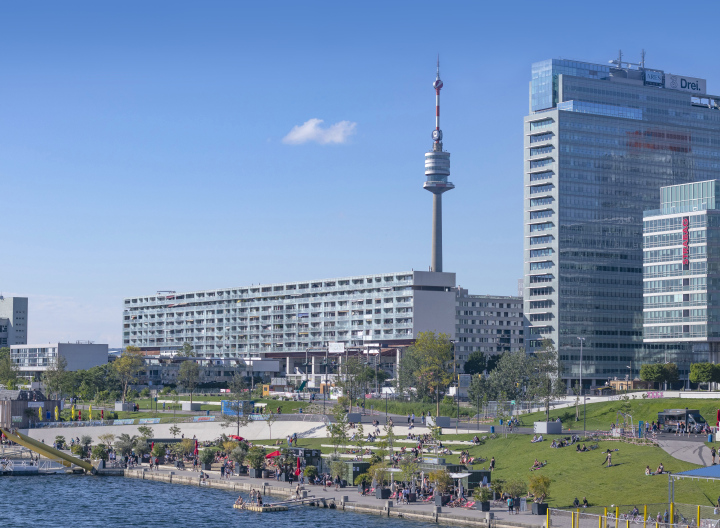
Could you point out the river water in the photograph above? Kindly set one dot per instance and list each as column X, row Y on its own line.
column 110, row 502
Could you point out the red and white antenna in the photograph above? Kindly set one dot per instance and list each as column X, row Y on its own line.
column 438, row 84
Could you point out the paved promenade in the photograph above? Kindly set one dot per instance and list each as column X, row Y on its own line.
column 279, row 491
column 687, row 450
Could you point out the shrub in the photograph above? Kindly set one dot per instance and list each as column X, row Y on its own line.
column 362, row 478
column 99, row 453
column 483, row 494
column 540, row 486
column 60, row 440
column 77, row 450
column 159, row 450
column 442, row 480
column 238, row 454
column 145, row 393
column 310, row 472
column 256, row 457
column 337, row 468
column 207, row 456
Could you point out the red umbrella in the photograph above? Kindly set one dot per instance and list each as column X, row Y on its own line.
column 297, row 471
column 273, row 454
column 152, row 446
column 236, row 437
column 196, row 448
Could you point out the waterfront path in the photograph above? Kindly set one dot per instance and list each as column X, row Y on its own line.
column 356, row 502
column 687, row 450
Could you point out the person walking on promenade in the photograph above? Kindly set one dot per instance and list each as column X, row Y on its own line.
column 713, row 452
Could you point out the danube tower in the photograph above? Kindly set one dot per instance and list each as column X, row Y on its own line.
column 437, row 170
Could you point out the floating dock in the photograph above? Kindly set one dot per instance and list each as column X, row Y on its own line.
column 260, row 509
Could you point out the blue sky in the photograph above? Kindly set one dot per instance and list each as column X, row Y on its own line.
column 141, row 143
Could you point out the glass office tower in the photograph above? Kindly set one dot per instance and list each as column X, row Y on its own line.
column 600, row 141
column 681, row 273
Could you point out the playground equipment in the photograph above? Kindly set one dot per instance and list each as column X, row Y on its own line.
column 47, row 451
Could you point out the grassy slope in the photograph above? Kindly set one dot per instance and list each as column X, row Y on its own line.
column 601, row 415
column 580, row 474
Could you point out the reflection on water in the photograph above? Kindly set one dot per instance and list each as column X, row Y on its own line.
column 110, row 502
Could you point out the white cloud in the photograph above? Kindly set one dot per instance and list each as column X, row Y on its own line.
column 311, row 130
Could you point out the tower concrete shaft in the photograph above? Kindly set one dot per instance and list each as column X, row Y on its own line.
column 437, row 171
column 436, row 259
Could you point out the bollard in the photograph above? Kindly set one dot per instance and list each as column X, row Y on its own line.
column 489, row 517
column 303, row 494
column 344, row 499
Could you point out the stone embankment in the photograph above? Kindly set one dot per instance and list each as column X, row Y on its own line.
column 331, row 498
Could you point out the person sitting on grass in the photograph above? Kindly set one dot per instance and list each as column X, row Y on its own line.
column 647, row 471
column 585, row 502
column 534, row 439
column 536, row 465
column 576, row 503
column 660, row 469
column 554, row 444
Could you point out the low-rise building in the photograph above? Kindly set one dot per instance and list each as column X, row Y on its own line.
column 33, row 360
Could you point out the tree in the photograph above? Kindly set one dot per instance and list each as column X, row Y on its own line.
column 352, row 380
column 478, row 362
column 509, row 379
column 701, row 372
column 238, row 415
column 124, row 444
column 55, row 377
column 127, row 367
column 479, row 388
column 238, row 454
column 425, row 366
column 174, row 430
column 145, row 431
column 539, row 486
column 442, row 479
column 256, row 457
column 670, row 373
column 107, row 439
column 186, row 351
column 337, row 430
column 189, row 376
column 546, row 382
column 8, row 371
column 652, row 372
column 270, row 419
column 159, row 450
column 409, row 468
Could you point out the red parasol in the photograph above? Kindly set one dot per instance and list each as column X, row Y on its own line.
column 196, row 448
column 273, row 454
column 152, row 446
column 297, row 471
column 236, row 437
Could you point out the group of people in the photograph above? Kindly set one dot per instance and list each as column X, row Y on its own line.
column 255, row 498
column 537, row 465
column 660, row 470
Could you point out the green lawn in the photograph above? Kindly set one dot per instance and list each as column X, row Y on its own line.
column 601, row 415
column 577, row 474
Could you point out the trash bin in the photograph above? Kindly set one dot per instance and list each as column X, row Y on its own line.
column 492, row 429
column 207, row 413
column 710, row 437
column 500, row 421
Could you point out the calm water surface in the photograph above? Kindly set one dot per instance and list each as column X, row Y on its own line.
column 109, row 502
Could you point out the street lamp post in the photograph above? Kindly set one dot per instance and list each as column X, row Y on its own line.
column 582, row 341
column 457, row 387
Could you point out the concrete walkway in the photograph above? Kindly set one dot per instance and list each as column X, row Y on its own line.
column 688, row 451
column 357, row 502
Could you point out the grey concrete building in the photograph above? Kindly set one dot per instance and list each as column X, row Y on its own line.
column 286, row 320
column 492, row 324
column 13, row 321
column 600, row 141
column 33, row 360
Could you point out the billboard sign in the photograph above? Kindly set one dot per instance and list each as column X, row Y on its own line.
column 653, row 77
column 685, row 84
column 336, row 348
column 686, row 243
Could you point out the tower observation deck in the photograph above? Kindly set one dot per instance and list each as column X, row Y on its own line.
column 437, row 171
